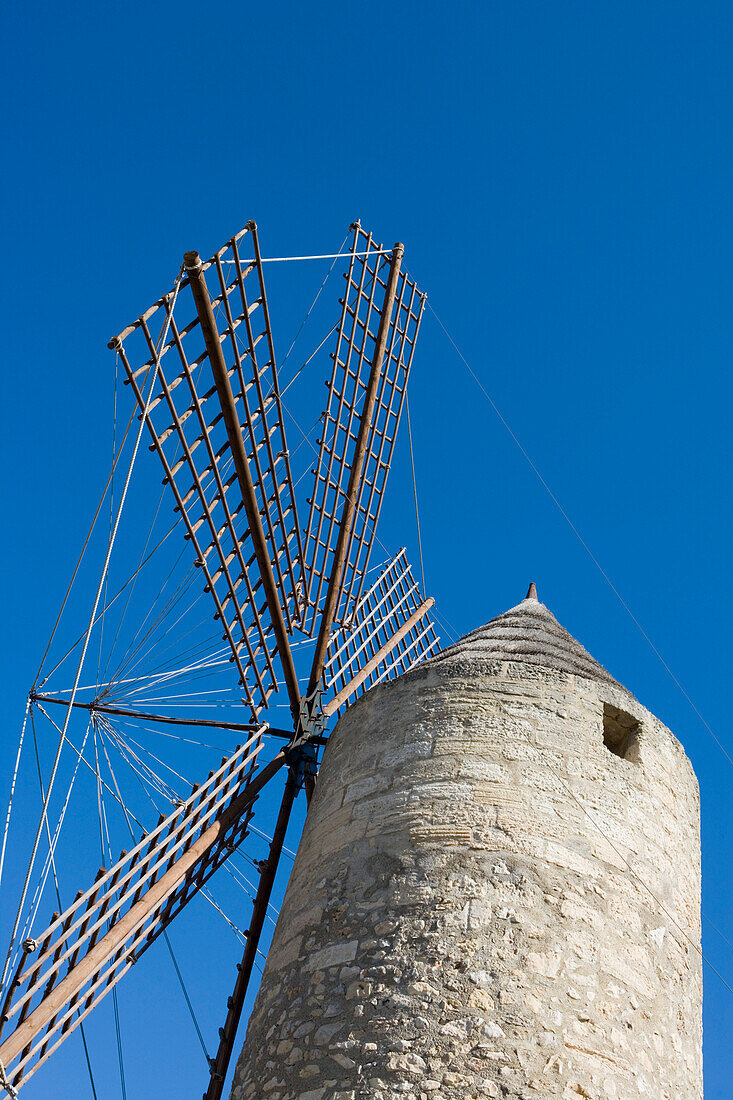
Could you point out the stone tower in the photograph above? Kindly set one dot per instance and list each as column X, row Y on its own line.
column 497, row 893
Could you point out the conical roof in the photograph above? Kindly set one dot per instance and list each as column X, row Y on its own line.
column 529, row 634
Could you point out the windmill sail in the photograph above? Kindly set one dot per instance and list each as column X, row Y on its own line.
column 201, row 366
column 189, row 433
column 87, row 949
column 391, row 632
column 356, row 340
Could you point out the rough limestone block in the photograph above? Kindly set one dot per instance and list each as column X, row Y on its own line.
column 465, row 917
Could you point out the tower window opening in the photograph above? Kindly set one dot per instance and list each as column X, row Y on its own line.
column 620, row 733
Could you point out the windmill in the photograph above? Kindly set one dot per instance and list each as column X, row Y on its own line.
column 206, row 394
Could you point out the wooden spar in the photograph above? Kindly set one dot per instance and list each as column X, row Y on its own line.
column 101, row 708
column 228, row 1033
column 126, row 869
column 195, row 271
column 378, row 657
column 139, row 864
column 334, row 585
column 75, row 979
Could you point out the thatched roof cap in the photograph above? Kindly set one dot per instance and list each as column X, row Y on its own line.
column 528, row 634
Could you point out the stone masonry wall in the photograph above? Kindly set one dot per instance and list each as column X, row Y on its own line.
column 456, row 924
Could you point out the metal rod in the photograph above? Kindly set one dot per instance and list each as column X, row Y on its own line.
column 240, row 727
column 334, row 584
column 194, row 270
column 369, row 667
column 126, row 926
column 220, row 1063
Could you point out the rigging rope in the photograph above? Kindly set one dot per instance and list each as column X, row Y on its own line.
column 578, row 535
column 135, row 840
column 231, row 869
column 309, row 359
column 330, row 256
column 143, row 559
column 165, row 934
column 116, row 596
column 104, row 834
column 620, row 598
column 7, row 1084
column 111, row 509
column 414, row 489
column 81, row 555
column 81, row 759
column 140, row 646
column 639, row 879
column 85, row 646
column 313, row 303
column 188, row 999
column 48, row 862
column 120, row 1059
column 40, row 785
column 61, row 908
column 12, row 789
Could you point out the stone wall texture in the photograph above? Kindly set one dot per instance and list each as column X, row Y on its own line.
column 487, row 902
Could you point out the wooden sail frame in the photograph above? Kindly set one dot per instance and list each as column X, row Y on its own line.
column 371, row 309
column 223, row 413
column 134, row 900
column 210, row 400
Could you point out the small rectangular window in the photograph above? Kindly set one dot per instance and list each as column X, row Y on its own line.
column 620, row 733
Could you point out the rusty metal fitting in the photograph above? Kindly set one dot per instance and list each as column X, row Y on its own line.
column 192, row 261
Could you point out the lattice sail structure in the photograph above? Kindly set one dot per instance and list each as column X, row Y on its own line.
column 85, row 951
column 362, row 310
column 200, row 364
column 390, row 633
column 180, row 397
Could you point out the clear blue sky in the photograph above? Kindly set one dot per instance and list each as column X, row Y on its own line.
column 561, row 175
